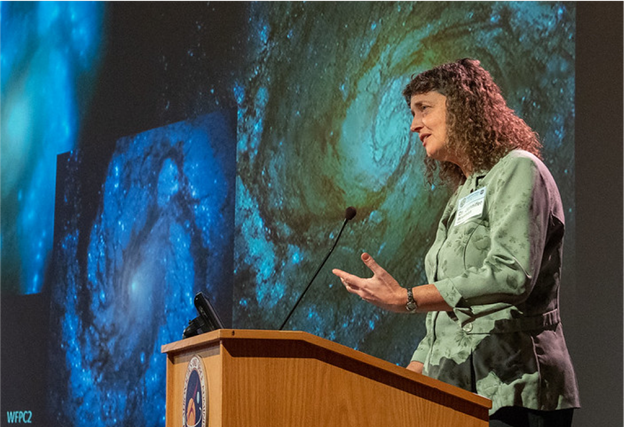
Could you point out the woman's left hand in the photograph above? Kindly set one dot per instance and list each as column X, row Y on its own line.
column 381, row 290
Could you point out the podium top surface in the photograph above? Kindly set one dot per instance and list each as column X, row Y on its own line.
column 241, row 335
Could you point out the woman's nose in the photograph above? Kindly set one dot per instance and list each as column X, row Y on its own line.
column 416, row 125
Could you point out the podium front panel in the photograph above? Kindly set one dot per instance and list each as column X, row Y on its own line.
column 288, row 378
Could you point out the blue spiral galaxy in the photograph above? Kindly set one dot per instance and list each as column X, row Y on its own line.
column 322, row 125
column 164, row 231
column 50, row 54
column 244, row 204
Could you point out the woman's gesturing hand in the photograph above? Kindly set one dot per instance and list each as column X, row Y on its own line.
column 381, row 290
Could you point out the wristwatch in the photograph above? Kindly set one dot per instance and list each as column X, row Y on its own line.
column 411, row 305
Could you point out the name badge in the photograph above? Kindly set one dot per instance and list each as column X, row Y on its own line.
column 470, row 206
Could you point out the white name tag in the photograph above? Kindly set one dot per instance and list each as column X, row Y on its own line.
column 470, row 206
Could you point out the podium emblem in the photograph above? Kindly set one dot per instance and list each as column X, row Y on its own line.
column 195, row 403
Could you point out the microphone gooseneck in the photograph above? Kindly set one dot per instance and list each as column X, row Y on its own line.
column 349, row 215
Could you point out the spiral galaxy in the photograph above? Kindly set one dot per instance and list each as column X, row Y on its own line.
column 242, row 195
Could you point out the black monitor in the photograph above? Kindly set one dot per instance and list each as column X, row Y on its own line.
column 208, row 319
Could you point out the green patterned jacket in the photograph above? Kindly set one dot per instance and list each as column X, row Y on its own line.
column 499, row 268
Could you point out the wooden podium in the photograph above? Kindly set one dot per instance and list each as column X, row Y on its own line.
column 292, row 379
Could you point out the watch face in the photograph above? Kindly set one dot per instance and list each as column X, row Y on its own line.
column 411, row 305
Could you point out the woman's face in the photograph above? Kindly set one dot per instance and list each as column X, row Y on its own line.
column 429, row 111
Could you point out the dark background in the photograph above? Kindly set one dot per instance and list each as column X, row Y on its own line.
column 594, row 317
column 592, row 311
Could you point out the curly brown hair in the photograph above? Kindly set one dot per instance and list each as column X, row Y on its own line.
column 481, row 128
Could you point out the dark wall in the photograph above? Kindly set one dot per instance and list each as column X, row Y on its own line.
column 594, row 317
column 592, row 309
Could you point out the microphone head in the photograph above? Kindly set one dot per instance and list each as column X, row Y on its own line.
column 350, row 213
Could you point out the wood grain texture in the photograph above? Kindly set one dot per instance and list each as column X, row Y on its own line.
column 288, row 378
column 177, row 363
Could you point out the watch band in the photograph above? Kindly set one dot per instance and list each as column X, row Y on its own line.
column 411, row 305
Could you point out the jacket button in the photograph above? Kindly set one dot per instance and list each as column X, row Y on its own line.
column 467, row 327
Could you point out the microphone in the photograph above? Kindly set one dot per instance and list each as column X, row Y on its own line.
column 349, row 215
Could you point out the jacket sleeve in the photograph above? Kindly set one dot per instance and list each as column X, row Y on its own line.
column 518, row 210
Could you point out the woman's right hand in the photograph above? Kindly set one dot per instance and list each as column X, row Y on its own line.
column 415, row 366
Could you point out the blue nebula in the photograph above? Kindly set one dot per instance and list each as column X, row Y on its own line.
column 319, row 125
column 47, row 49
column 163, row 232
column 322, row 125
column 168, row 182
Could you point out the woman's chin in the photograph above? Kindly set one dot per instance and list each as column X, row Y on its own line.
column 434, row 155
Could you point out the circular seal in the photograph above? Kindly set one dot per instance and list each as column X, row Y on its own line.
column 195, row 403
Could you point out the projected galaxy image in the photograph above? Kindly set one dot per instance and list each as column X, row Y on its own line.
column 164, row 231
column 246, row 132
column 323, row 126
column 47, row 49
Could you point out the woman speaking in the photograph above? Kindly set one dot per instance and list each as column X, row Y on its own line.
column 494, row 270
